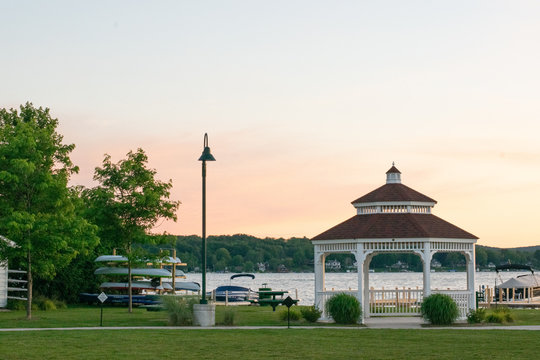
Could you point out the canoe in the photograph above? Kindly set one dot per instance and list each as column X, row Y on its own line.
column 150, row 272
column 135, row 285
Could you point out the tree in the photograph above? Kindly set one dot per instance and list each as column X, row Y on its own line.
column 38, row 211
column 128, row 203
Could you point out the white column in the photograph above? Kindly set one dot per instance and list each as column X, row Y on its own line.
column 471, row 269
column 360, row 258
column 365, row 305
column 426, row 258
column 319, row 277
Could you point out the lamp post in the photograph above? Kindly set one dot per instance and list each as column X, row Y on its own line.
column 206, row 156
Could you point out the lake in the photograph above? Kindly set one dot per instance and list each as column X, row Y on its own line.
column 304, row 283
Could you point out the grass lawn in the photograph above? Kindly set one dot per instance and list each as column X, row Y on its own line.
column 83, row 315
column 317, row 343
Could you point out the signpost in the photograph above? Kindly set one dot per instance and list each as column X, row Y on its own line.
column 288, row 302
column 102, row 297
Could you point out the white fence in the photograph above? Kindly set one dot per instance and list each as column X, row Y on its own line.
column 461, row 297
column 399, row 302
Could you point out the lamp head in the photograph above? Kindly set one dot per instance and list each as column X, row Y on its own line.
column 206, row 154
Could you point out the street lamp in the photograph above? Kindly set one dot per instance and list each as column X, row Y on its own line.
column 206, row 156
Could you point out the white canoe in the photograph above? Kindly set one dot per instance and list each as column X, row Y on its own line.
column 134, row 272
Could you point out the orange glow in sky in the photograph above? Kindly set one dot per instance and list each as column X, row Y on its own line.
column 306, row 104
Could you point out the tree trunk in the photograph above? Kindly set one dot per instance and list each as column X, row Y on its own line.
column 130, row 302
column 29, row 288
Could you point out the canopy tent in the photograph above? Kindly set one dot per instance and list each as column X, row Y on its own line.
column 520, row 282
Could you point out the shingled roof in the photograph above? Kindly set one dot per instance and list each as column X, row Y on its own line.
column 393, row 192
column 381, row 226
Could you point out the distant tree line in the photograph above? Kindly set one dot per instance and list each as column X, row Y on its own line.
column 244, row 253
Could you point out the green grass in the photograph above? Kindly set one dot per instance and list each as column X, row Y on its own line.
column 318, row 343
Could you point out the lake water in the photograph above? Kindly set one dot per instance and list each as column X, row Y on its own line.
column 304, row 283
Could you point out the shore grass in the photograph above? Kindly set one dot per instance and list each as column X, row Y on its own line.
column 316, row 343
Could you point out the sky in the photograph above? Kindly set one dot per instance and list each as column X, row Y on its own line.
column 306, row 104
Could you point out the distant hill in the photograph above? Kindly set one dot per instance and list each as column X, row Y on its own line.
column 527, row 248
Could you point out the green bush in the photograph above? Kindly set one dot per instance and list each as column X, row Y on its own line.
column 500, row 314
column 47, row 305
column 476, row 316
column 439, row 309
column 311, row 313
column 228, row 317
column 294, row 315
column 60, row 304
column 179, row 309
column 16, row 304
column 344, row 309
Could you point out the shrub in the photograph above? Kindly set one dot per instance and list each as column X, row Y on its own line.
column 500, row 314
column 16, row 304
column 47, row 305
column 179, row 309
column 311, row 313
column 228, row 317
column 344, row 309
column 476, row 316
column 294, row 315
column 439, row 309
column 60, row 304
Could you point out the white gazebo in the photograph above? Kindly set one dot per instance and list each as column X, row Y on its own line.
column 394, row 219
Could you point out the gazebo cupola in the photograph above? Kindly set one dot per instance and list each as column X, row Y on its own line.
column 394, row 219
column 394, row 197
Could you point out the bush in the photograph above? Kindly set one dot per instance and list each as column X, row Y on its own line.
column 439, row 309
column 43, row 303
column 179, row 309
column 294, row 315
column 228, row 317
column 311, row 313
column 476, row 316
column 500, row 315
column 16, row 304
column 344, row 309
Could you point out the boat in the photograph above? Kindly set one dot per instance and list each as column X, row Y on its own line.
column 521, row 284
column 146, row 281
column 149, row 272
column 235, row 293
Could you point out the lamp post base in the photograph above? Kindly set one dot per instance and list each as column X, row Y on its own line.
column 204, row 315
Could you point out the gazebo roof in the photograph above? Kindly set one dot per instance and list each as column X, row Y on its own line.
column 385, row 226
column 394, row 211
column 393, row 192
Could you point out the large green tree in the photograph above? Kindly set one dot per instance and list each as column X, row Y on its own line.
column 128, row 203
column 38, row 211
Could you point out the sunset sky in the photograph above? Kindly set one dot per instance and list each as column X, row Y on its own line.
column 306, row 104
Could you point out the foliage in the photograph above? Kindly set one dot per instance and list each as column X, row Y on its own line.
column 500, row 314
column 293, row 316
column 476, row 316
column 227, row 317
column 38, row 211
column 439, row 309
column 16, row 304
column 344, row 308
column 179, row 309
column 310, row 313
column 128, row 203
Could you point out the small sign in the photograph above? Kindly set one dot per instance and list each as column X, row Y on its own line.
column 288, row 302
column 102, row 297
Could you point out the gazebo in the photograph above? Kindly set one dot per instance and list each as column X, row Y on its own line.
column 394, row 219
